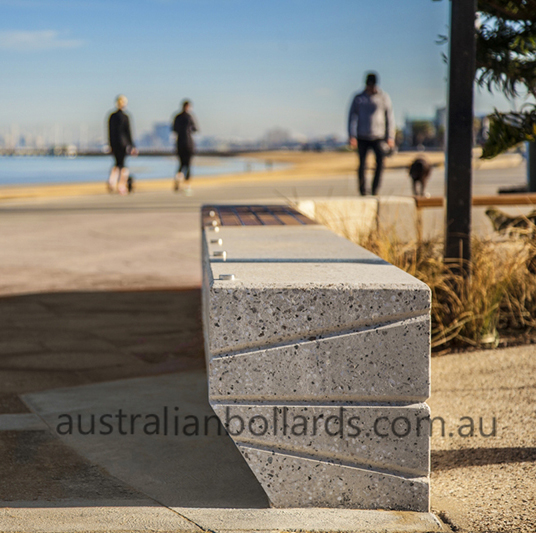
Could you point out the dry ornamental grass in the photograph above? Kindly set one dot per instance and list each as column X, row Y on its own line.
column 497, row 301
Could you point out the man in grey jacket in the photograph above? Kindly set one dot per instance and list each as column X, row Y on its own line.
column 371, row 125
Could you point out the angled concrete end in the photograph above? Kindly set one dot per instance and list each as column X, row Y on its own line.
column 318, row 366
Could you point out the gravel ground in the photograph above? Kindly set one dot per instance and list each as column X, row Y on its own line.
column 485, row 482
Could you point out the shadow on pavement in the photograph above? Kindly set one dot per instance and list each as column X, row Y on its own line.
column 449, row 459
column 50, row 340
column 88, row 354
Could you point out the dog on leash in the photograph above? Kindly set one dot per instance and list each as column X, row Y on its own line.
column 419, row 172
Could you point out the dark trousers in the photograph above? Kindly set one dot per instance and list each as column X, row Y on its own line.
column 363, row 146
column 185, row 156
column 119, row 153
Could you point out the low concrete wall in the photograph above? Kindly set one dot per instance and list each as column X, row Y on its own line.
column 318, row 366
column 345, row 216
column 355, row 218
column 395, row 216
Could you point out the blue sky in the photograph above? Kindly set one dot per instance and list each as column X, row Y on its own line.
column 248, row 65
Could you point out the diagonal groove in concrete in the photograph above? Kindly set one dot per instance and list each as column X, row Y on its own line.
column 326, row 457
column 361, row 326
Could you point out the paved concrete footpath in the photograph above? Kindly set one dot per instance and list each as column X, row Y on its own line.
column 101, row 320
column 159, row 471
column 151, row 240
column 131, row 443
column 93, row 321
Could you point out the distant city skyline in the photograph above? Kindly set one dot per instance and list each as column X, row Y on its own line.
column 249, row 66
column 159, row 137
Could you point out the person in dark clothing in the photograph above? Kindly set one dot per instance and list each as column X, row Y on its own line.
column 184, row 126
column 371, row 125
column 121, row 144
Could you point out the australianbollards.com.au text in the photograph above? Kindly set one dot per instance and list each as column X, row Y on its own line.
column 337, row 423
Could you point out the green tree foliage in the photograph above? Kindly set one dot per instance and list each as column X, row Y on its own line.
column 506, row 61
column 508, row 129
column 506, row 46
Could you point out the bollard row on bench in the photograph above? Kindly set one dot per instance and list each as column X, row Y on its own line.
column 318, row 360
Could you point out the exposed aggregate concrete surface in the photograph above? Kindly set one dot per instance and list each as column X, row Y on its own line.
column 485, row 484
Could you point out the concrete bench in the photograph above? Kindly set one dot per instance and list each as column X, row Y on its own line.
column 318, row 361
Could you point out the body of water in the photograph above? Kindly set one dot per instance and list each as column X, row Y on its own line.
column 29, row 170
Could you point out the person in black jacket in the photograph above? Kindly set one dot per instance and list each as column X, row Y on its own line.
column 184, row 126
column 121, row 144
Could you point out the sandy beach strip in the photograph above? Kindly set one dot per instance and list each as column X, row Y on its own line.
column 301, row 165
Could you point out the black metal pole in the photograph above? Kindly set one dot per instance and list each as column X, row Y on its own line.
column 460, row 133
column 531, row 166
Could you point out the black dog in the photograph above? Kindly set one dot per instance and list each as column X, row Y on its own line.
column 420, row 171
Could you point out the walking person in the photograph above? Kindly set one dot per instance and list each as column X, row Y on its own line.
column 184, row 127
column 371, row 126
column 121, row 144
